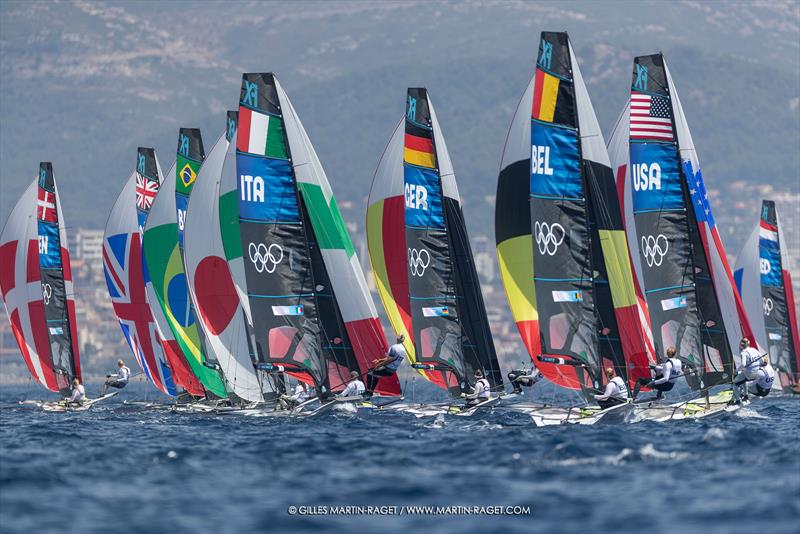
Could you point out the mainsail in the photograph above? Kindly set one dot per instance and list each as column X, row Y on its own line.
column 163, row 234
column 306, row 296
column 36, row 284
column 125, row 277
column 211, row 286
column 685, row 274
column 560, row 238
column 765, row 285
column 421, row 255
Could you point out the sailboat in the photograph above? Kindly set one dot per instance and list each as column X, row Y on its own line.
column 765, row 286
column 162, row 244
column 126, row 278
column 561, row 242
column 421, row 255
column 36, row 286
column 214, row 296
column 681, row 263
column 306, row 300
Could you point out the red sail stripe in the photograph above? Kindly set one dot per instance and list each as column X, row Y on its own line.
column 792, row 316
column 243, row 129
column 537, row 92
column 180, row 368
column 16, row 329
column 8, row 253
column 41, row 341
column 367, row 346
column 419, row 143
column 32, row 272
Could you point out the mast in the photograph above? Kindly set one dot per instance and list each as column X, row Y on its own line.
column 162, row 234
column 36, row 284
column 563, row 257
column 125, row 278
column 211, row 286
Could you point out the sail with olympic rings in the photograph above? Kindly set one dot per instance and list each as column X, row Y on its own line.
column 681, row 265
column 421, row 256
column 290, row 253
column 561, row 245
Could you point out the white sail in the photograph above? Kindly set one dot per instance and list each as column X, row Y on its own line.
column 210, row 283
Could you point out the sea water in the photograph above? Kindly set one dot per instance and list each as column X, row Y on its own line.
column 121, row 468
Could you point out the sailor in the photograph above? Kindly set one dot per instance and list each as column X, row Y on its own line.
column 765, row 376
column 616, row 391
column 119, row 379
column 386, row 366
column 78, row 393
column 747, row 366
column 301, row 393
column 665, row 375
column 355, row 388
column 524, row 377
column 481, row 391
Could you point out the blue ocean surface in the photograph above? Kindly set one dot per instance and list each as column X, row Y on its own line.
column 121, row 468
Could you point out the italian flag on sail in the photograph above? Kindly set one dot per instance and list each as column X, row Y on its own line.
column 261, row 134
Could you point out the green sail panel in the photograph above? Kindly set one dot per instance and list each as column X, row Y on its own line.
column 164, row 259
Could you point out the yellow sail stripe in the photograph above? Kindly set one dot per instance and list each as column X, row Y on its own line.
column 618, row 266
column 419, row 158
column 549, row 97
column 515, row 256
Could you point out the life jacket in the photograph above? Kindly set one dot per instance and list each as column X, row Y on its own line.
column 677, row 367
column 623, row 389
column 483, row 388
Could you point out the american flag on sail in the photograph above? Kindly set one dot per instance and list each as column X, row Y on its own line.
column 651, row 117
column 145, row 192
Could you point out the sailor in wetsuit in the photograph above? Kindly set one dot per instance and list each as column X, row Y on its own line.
column 747, row 366
column 481, row 391
column 765, row 377
column 355, row 388
column 524, row 377
column 119, row 379
column 616, row 391
column 78, row 394
column 665, row 375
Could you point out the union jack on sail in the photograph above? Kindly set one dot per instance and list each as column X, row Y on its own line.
column 145, row 192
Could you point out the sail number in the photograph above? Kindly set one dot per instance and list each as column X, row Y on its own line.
column 416, row 197
column 251, row 188
column 540, row 160
column 646, row 177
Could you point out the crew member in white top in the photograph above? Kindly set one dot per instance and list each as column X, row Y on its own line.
column 78, row 393
column 765, row 376
column 616, row 391
column 481, row 391
column 386, row 366
column 119, row 379
column 665, row 375
column 355, row 388
column 746, row 368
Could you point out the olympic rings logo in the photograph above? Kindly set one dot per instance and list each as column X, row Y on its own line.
column 418, row 261
column 768, row 305
column 47, row 293
column 548, row 237
column 654, row 249
column 265, row 258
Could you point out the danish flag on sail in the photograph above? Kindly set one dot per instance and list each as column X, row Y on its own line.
column 46, row 206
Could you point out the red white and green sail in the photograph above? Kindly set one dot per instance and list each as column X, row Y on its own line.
column 306, row 296
column 211, row 286
column 164, row 260
column 561, row 243
column 765, row 286
column 682, row 267
column 123, row 266
column 421, row 256
column 36, row 284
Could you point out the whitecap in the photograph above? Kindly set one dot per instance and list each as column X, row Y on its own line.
column 649, row 451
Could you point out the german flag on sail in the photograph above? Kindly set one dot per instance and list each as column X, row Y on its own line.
column 261, row 134
column 552, row 99
column 419, row 151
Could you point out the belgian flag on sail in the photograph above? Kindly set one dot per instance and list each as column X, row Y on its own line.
column 418, row 146
column 553, row 93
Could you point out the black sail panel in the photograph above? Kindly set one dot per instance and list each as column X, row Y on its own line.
column 277, row 260
column 562, row 244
